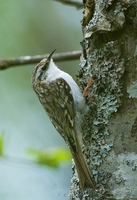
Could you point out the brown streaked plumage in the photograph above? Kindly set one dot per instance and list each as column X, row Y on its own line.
column 62, row 100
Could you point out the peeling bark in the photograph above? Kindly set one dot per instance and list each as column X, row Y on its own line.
column 110, row 130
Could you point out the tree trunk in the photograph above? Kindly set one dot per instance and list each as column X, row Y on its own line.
column 110, row 130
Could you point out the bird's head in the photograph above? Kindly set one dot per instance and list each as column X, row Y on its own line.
column 42, row 67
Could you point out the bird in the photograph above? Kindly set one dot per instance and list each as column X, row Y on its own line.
column 63, row 102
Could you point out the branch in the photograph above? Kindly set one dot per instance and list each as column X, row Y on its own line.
column 77, row 4
column 25, row 60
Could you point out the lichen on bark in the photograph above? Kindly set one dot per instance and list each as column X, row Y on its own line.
column 109, row 57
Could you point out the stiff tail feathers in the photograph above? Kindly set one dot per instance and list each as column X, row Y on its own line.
column 84, row 174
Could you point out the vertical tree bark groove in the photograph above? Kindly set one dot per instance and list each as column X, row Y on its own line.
column 110, row 129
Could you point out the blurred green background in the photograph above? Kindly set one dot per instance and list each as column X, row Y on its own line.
column 31, row 27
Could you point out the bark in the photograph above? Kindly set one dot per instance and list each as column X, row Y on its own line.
column 110, row 130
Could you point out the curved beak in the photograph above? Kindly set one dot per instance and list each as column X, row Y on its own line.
column 46, row 65
column 50, row 55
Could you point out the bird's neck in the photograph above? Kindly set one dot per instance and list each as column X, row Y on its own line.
column 52, row 72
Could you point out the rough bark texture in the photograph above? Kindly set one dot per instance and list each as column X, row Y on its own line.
column 110, row 130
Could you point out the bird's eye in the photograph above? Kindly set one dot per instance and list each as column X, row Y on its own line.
column 45, row 66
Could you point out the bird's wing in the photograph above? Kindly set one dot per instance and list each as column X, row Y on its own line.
column 58, row 102
column 59, row 105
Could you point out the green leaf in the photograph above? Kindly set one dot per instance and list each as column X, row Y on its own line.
column 1, row 144
column 50, row 157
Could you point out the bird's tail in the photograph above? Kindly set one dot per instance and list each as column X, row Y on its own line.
column 84, row 174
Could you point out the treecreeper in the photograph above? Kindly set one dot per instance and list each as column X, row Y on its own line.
column 63, row 102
